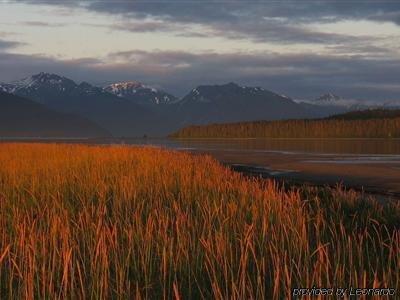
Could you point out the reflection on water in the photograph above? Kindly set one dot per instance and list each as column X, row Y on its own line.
column 357, row 147
column 322, row 146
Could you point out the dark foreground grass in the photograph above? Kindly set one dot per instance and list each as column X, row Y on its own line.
column 124, row 223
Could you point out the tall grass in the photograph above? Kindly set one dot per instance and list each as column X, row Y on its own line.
column 118, row 222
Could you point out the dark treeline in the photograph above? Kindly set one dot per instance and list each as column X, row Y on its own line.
column 378, row 113
column 357, row 125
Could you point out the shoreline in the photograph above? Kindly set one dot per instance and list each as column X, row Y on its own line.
column 286, row 178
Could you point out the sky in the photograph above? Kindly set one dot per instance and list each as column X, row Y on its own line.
column 298, row 48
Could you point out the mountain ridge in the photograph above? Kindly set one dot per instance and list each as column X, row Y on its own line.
column 118, row 115
column 131, row 108
column 24, row 117
column 140, row 93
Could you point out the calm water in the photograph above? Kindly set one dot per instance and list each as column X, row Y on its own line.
column 355, row 147
column 288, row 146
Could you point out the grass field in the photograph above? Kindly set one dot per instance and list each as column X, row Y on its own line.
column 120, row 222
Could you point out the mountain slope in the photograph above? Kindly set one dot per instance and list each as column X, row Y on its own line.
column 133, row 109
column 120, row 116
column 231, row 103
column 330, row 100
column 21, row 117
column 140, row 93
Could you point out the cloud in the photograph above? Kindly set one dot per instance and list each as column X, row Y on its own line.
column 297, row 75
column 255, row 20
column 42, row 24
column 352, row 66
column 6, row 45
column 17, row 66
column 230, row 11
column 268, row 31
column 152, row 26
column 204, row 11
column 257, row 31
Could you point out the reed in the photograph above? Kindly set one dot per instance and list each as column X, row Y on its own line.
column 116, row 222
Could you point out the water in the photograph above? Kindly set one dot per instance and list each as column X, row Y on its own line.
column 356, row 147
column 368, row 164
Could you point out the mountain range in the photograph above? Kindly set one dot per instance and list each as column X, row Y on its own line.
column 332, row 100
column 140, row 93
column 135, row 109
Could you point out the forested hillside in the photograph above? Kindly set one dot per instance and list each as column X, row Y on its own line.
column 378, row 113
column 367, row 124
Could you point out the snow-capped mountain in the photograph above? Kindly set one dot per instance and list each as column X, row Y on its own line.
column 39, row 81
column 332, row 100
column 134, row 109
column 117, row 115
column 55, row 91
column 391, row 104
column 140, row 93
column 233, row 103
column 6, row 87
column 328, row 99
column 215, row 93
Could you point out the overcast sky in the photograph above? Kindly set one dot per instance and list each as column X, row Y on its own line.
column 301, row 49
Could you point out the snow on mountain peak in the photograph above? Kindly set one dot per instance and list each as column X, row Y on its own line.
column 328, row 97
column 332, row 100
column 124, row 86
column 37, row 81
column 138, row 92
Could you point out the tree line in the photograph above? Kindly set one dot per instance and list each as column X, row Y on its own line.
column 321, row 128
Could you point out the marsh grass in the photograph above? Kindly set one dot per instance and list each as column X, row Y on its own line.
column 121, row 222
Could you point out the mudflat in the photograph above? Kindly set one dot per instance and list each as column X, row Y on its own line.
column 372, row 173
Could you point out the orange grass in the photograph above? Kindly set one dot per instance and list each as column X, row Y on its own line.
column 121, row 222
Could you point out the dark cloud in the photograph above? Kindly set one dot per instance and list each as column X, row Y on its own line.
column 267, row 31
column 17, row 66
column 391, row 16
column 360, row 67
column 299, row 76
column 232, row 11
column 143, row 26
column 256, row 20
column 257, row 31
column 42, row 24
column 5, row 45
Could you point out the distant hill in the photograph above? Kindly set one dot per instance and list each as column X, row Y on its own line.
column 21, row 117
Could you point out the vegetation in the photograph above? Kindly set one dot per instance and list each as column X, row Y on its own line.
column 363, row 124
column 378, row 113
column 121, row 222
